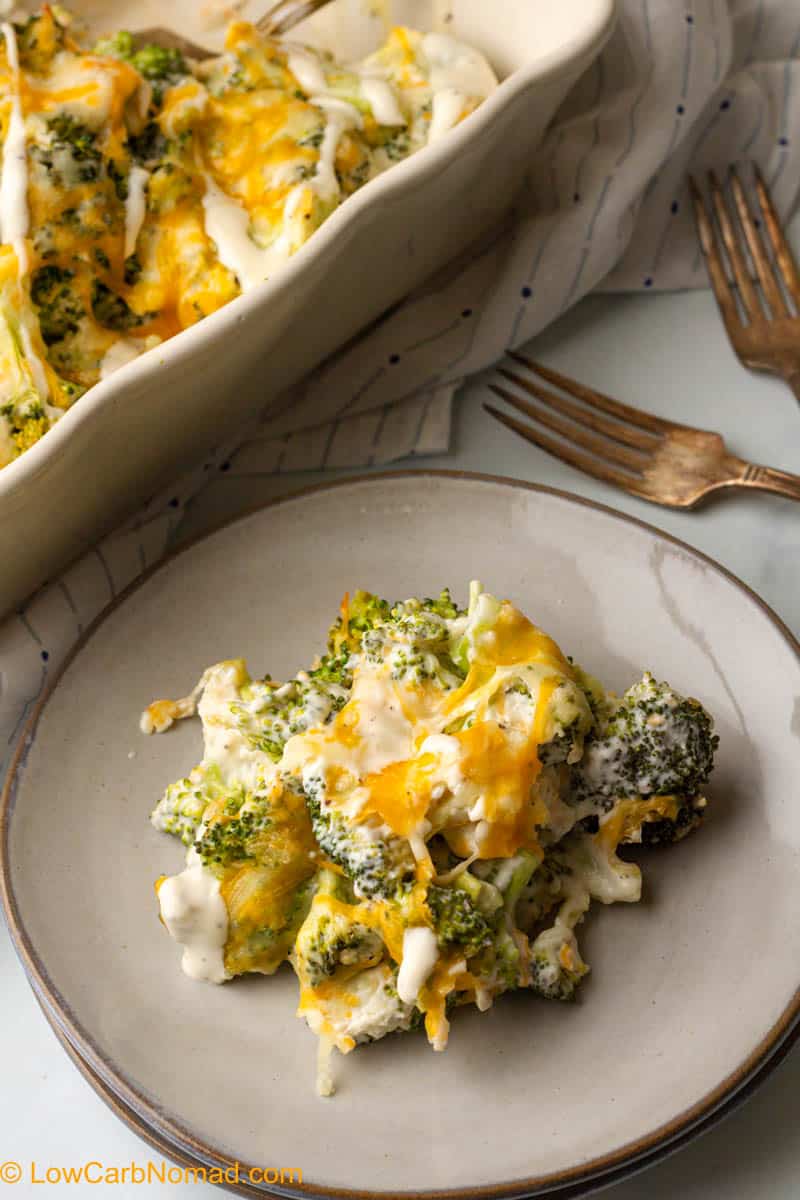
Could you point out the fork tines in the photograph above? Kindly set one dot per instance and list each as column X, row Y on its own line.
column 284, row 15
column 620, row 440
column 751, row 258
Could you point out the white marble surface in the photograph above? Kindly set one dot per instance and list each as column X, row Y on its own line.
column 666, row 353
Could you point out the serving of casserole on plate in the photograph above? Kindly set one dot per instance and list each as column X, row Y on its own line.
column 171, row 400
column 531, row 1095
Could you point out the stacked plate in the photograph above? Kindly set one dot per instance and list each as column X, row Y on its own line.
column 693, row 995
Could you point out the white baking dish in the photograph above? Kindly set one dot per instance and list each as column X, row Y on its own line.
column 132, row 432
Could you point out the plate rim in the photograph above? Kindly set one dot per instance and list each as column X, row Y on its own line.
column 759, row 1063
column 137, row 1124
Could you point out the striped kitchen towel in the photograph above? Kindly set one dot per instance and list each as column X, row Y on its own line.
column 683, row 83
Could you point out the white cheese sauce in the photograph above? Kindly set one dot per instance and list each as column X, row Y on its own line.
column 605, row 876
column 367, row 1010
column 228, row 226
column 449, row 753
column 378, row 93
column 307, row 70
column 341, row 117
column 225, row 745
column 381, row 98
column 119, row 355
column 454, row 65
column 195, row 915
column 457, row 73
column 446, row 109
column 14, row 181
column 135, row 207
column 420, row 953
column 380, row 734
column 191, row 101
column 34, row 362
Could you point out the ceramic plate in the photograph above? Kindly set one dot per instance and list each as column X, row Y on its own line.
column 691, row 992
column 138, row 1125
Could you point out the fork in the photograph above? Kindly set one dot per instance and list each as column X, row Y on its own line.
column 763, row 330
column 281, row 17
column 658, row 460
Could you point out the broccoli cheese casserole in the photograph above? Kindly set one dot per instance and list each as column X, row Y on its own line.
column 422, row 818
column 140, row 192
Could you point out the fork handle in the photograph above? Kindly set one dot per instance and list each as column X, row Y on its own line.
column 770, row 479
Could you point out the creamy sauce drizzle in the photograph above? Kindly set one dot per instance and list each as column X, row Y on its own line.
column 228, row 225
column 135, row 207
column 447, row 107
column 14, row 182
column 341, row 117
column 382, row 99
column 34, row 362
column 420, row 952
column 378, row 93
column 195, row 915
column 307, row 70
column 457, row 72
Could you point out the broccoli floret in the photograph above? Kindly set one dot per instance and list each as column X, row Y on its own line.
column 556, row 751
column 269, row 714
column 261, row 849
column 413, row 635
column 556, row 965
column 364, row 611
column 148, row 147
column 501, row 966
column 133, row 269
column 444, row 606
column 549, row 977
column 570, row 719
column 60, row 312
column 457, row 920
column 119, row 177
column 27, row 421
column 378, row 867
column 118, row 45
column 509, row 876
column 41, row 36
column 542, row 892
column 159, row 64
column 655, row 743
column 654, row 829
column 396, row 144
column 334, row 668
column 71, row 152
column 233, row 839
column 111, row 311
column 329, row 938
column 180, row 810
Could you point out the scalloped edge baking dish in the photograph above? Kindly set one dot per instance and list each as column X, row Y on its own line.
column 131, row 433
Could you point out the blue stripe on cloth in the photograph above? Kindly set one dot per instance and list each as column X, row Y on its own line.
column 26, row 625
column 633, row 116
column 98, row 552
column 67, row 594
column 755, row 36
